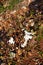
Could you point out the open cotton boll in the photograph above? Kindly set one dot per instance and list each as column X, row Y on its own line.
column 11, row 40
column 24, row 44
column 28, row 35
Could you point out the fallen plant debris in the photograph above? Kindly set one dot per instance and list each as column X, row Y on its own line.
column 21, row 34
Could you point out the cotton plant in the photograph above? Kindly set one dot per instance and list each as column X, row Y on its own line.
column 28, row 35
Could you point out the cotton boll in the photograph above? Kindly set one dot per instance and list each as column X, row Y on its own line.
column 26, row 37
column 24, row 44
column 11, row 41
column 27, row 33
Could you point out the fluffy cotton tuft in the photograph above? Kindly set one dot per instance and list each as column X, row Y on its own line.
column 11, row 40
column 28, row 35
